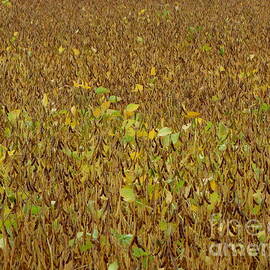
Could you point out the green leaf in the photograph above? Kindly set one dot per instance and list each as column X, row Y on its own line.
column 128, row 139
column 128, row 194
column 67, row 151
column 214, row 197
column 216, row 218
column 114, row 99
column 132, row 107
column 79, row 235
column 12, row 116
column 139, row 252
column 195, row 29
column 192, row 29
column 95, row 234
column 206, row 48
column 179, row 185
column 222, row 147
column 256, row 210
column 258, row 197
column 175, row 137
column 163, row 225
column 222, row 132
column 6, row 3
column 111, row 112
column 221, row 50
column 208, row 126
column 167, row 228
column 255, row 169
column 265, row 107
column 128, row 123
column 7, row 132
column 262, row 236
column 71, row 242
column 164, row 132
column 35, row 210
column 215, row 98
column 140, row 39
column 165, row 13
column 166, row 141
column 88, row 245
column 101, row 90
column 130, row 132
column 113, row 266
column 124, row 239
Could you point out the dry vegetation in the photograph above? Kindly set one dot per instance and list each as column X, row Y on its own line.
column 131, row 131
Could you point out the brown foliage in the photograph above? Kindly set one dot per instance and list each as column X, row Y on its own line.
column 63, row 212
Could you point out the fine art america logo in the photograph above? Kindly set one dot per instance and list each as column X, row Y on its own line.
column 251, row 238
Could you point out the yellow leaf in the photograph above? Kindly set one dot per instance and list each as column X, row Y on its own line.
column 129, row 177
column 135, row 155
column 153, row 71
column 97, row 112
column 251, row 56
column 85, row 169
column 83, row 179
column 130, row 132
column 192, row 114
column 76, row 52
column 68, row 121
column 200, row 148
column 142, row 133
column 104, row 198
column 106, row 148
column 106, row 105
column 94, row 50
column 73, row 124
column 221, row 69
column 3, row 155
column 157, row 194
column 11, row 153
column 128, row 114
column 152, row 134
column 141, row 12
column 108, row 74
column 169, row 197
column 61, row 49
column 75, row 84
column 73, row 110
column 138, row 87
column 213, row 185
column 85, row 85
column 45, row 100
column 142, row 178
column 111, row 133
column 198, row 120
column 194, row 208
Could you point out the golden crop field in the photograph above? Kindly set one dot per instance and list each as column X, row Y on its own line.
column 134, row 134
